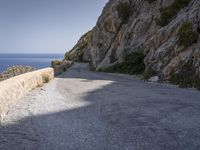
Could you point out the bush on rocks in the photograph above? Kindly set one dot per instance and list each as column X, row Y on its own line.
column 168, row 13
column 186, row 77
column 150, row 1
column 148, row 73
column 133, row 64
column 123, row 11
column 56, row 63
column 187, row 36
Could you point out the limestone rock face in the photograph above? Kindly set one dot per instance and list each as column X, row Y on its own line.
column 80, row 51
column 112, row 39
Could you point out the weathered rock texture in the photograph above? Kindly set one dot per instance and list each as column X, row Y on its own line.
column 80, row 51
column 15, row 88
column 112, row 38
column 15, row 71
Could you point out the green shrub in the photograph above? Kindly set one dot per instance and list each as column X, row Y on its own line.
column 181, row 80
column 148, row 73
column 56, row 63
column 186, row 77
column 123, row 11
column 168, row 13
column 133, row 64
column 185, row 81
column 150, row 1
column 186, row 35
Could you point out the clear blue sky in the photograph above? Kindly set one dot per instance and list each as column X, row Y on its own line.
column 45, row 26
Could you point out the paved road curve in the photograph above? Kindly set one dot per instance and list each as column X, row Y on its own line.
column 83, row 110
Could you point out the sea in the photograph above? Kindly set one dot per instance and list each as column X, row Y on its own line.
column 37, row 61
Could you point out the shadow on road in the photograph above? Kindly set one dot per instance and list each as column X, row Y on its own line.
column 125, row 114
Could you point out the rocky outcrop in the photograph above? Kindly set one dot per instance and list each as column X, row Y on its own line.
column 165, row 31
column 80, row 51
column 15, row 71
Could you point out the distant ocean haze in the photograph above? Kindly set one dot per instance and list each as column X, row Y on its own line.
column 37, row 61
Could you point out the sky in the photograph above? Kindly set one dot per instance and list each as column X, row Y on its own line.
column 45, row 26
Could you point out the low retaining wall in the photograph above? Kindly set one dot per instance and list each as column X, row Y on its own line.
column 15, row 88
column 59, row 69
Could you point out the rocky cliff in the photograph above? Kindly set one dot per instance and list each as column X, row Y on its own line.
column 165, row 32
column 80, row 51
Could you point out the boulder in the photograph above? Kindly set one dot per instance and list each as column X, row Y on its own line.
column 154, row 79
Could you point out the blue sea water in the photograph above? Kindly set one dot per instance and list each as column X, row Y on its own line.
column 37, row 61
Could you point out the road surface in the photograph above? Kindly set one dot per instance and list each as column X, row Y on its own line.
column 84, row 110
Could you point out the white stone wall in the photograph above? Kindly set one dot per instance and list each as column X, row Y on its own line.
column 15, row 88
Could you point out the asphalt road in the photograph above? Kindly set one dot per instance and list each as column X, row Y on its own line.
column 84, row 110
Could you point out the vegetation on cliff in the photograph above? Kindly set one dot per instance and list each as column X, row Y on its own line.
column 78, row 52
column 186, row 77
column 132, row 64
column 168, row 13
column 150, row 1
column 187, row 36
column 123, row 9
column 56, row 63
column 148, row 73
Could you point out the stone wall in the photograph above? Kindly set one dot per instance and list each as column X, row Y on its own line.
column 13, row 89
column 62, row 67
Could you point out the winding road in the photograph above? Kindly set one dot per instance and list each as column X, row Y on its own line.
column 84, row 110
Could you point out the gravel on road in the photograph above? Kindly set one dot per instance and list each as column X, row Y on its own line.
column 84, row 110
